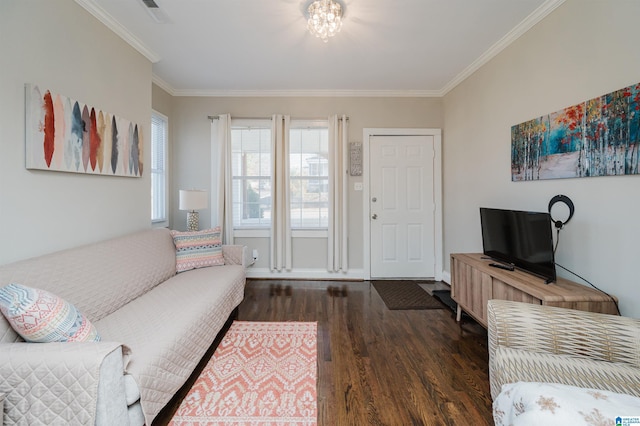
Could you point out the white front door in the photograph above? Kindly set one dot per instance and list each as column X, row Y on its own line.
column 402, row 206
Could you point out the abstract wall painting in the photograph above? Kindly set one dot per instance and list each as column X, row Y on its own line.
column 65, row 135
column 599, row 137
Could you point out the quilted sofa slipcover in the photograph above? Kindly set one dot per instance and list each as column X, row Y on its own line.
column 155, row 326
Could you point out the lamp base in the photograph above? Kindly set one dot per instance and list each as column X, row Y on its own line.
column 192, row 221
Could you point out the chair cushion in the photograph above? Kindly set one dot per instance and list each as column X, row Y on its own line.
column 40, row 316
column 514, row 365
column 198, row 249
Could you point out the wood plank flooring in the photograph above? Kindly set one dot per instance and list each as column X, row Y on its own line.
column 382, row 367
column 377, row 366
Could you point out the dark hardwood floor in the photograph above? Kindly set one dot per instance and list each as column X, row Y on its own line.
column 377, row 366
column 382, row 367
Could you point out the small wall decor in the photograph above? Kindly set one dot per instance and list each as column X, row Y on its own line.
column 65, row 135
column 355, row 158
column 599, row 137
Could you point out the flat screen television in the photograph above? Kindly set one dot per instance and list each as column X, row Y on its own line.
column 519, row 238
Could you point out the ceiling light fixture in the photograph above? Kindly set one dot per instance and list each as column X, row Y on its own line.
column 325, row 18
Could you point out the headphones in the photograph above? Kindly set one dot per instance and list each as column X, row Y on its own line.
column 567, row 201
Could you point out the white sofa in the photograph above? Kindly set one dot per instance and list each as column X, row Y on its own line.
column 155, row 326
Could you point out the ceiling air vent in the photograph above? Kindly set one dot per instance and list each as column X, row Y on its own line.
column 155, row 12
column 150, row 3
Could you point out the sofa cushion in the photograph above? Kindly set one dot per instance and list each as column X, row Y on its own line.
column 198, row 249
column 97, row 278
column 40, row 316
column 167, row 343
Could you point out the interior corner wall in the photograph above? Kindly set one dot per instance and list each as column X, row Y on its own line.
column 582, row 50
column 57, row 45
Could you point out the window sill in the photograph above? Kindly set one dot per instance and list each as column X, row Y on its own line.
column 295, row 233
column 160, row 224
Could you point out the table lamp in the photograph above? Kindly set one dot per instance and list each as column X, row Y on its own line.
column 192, row 200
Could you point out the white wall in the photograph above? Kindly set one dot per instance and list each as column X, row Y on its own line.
column 58, row 45
column 582, row 50
column 191, row 152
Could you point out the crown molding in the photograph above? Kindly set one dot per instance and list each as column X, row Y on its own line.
column 155, row 79
column 101, row 15
column 311, row 93
column 294, row 93
column 536, row 16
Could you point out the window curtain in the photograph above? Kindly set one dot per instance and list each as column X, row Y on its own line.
column 225, row 178
column 280, row 253
column 337, row 255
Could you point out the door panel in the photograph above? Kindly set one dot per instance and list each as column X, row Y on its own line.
column 402, row 228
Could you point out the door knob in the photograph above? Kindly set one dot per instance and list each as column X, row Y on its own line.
column 375, row 216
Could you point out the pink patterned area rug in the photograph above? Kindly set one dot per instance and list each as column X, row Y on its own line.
column 262, row 373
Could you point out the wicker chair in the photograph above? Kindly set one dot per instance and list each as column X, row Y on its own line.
column 534, row 343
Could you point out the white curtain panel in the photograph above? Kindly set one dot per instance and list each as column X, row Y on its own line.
column 280, row 253
column 337, row 255
column 225, row 178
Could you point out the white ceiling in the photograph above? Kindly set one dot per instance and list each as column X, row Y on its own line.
column 262, row 47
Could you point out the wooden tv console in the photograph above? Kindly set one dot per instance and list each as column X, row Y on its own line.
column 474, row 283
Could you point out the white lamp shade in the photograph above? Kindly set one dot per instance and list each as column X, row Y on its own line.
column 193, row 199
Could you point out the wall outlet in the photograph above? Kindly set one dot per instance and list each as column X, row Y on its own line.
column 255, row 254
column 358, row 186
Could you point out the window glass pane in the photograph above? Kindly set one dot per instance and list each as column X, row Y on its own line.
column 251, row 199
column 251, row 166
column 265, row 140
column 311, row 141
column 309, row 176
column 265, row 163
column 251, row 163
column 158, row 168
column 295, row 141
column 295, row 165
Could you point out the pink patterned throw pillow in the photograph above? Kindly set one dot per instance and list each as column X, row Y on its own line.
column 40, row 317
column 198, row 249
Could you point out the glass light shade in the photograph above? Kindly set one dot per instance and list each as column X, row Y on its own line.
column 325, row 19
column 193, row 199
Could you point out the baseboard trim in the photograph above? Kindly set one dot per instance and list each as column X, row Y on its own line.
column 317, row 274
column 305, row 274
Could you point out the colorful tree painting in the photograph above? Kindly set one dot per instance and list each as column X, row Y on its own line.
column 598, row 137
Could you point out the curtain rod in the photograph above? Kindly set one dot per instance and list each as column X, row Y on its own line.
column 215, row 117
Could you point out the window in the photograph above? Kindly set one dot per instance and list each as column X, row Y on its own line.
column 159, row 176
column 251, row 169
column 252, row 174
column 309, row 174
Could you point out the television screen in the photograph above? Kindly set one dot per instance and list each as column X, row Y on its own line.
column 519, row 238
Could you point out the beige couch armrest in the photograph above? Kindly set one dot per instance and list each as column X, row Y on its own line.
column 235, row 254
column 52, row 383
column 550, row 330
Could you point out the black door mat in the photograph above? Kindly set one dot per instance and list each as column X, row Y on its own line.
column 405, row 295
